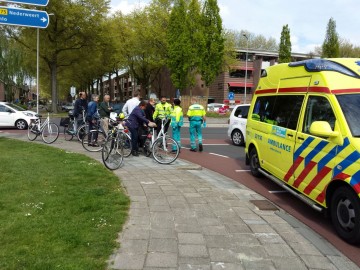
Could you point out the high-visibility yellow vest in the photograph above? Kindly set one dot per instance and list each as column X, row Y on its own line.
column 177, row 117
column 162, row 110
column 196, row 112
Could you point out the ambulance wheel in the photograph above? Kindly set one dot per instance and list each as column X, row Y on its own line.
column 254, row 163
column 237, row 137
column 345, row 214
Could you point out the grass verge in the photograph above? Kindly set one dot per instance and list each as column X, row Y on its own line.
column 58, row 210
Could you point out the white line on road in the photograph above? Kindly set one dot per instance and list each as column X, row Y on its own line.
column 278, row 191
column 218, row 155
column 242, row 171
column 216, row 144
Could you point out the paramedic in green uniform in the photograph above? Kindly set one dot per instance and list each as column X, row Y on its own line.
column 176, row 122
column 197, row 118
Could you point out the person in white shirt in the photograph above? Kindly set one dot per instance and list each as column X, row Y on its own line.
column 131, row 104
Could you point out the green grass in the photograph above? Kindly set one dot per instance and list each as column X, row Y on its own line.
column 58, row 210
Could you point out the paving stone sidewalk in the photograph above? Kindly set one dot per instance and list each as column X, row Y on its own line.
column 184, row 217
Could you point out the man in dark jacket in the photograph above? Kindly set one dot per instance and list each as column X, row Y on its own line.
column 80, row 106
column 137, row 118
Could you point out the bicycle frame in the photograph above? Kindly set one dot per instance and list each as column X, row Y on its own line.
column 161, row 133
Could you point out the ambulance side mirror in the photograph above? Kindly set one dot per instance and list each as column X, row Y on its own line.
column 323, row 129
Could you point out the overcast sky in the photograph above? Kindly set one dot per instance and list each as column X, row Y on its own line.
column 307, row 19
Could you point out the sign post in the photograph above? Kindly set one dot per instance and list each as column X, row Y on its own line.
column 24, row 17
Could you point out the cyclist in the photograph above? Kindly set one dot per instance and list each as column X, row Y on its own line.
column 162, row 110
column 176, row 122
column 137, row 118
column 91, row 118
column 79, row 106
column 104, row 110
column 197, row 116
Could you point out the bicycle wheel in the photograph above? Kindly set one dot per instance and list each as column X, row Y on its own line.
column 81, row 131
column 147, row 147
column 33, row 131
column 111, row 154
column 165, row 154
column 50, row 133
column 125, row 140
column 96, row 138
column 69, row 131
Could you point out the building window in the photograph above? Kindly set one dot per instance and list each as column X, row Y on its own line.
column 239, row 90
column 239, row 73
column 242, row 56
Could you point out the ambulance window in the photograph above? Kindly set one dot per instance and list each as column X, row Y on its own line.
column 318, row 109
column 263, row 109
column 350, row 105
column 287, row 110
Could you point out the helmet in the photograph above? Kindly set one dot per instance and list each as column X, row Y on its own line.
column 121, row 115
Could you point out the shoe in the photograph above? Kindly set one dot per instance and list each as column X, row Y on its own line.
column 134, row 153
column 95, row 144
column 193, row 150
column 173, row 151
column 200, row 147
column 90, row 144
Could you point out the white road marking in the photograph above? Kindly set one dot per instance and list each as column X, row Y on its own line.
column 218, row 155
column 278, row 191
column 216, row 144
column 242, row 171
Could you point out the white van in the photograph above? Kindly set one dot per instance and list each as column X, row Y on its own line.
column 237, row 124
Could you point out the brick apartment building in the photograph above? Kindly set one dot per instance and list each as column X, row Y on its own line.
column 232, row 80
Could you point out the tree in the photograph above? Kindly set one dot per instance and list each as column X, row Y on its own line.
column 285, row 45
column 180, row 49
column 212, row 50
column 330, row 47
column 75, row 25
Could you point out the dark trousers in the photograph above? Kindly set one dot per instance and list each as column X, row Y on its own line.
column 92, row 137
column 134, row 139
column 158, row 124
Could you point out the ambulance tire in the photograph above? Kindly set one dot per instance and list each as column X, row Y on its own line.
column 254, row 163
column 345, row 214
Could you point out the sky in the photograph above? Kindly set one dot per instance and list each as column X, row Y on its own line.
column 307, row 19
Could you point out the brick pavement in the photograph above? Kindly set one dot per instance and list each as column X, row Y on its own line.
column 183, row 216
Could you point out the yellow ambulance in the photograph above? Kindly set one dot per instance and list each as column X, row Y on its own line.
column 303, row 132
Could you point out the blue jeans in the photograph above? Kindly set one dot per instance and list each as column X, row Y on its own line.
column 176, row 136
column 195, row 129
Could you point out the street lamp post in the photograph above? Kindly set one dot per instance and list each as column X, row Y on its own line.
column 246, row 62
column 37, row 70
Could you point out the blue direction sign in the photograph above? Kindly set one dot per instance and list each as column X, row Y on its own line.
column 231, row 96
column 29, row 2
column 24, row 17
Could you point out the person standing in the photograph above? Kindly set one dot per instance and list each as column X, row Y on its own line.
column 162, row 110
column 92, row 117
column 197, row 118
column 131, row 104
column 104, row 110
column 80, row 106
column 150, row 109
column 176, row 123
column 135, row 119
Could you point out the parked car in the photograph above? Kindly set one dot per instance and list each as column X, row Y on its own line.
column 67, row 107
column 214, row 107
column 237, row 124
column 12, row 115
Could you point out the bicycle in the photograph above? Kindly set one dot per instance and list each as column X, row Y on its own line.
column 80, row 132
column 164, row 149
column 112, row 153
column 49, row 131
column 98, row 134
